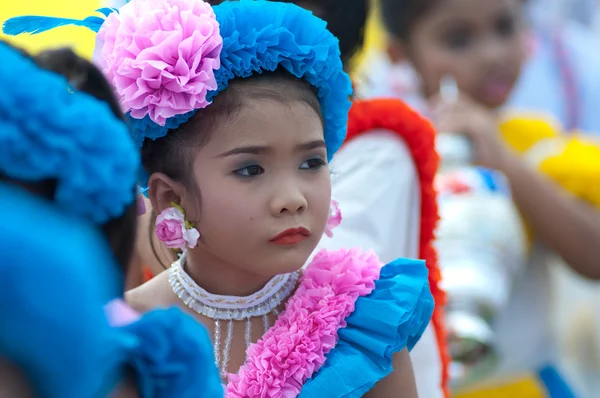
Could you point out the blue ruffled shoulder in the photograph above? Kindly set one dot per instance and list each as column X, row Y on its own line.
column 393, row 317
column 173, row 357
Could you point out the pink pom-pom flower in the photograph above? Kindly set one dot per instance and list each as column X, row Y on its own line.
column 160, row 56
column 335, row 218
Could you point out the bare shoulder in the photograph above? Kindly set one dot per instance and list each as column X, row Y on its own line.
column 153, row 294
column 401, row 379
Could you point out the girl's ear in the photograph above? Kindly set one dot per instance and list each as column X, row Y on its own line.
column 163, row 190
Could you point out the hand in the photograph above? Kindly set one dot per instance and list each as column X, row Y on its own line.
column 479, row 124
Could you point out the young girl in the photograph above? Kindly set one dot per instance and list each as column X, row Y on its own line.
column 238, row 116
column 67, row 156
column 397, row 205
column 480, row 44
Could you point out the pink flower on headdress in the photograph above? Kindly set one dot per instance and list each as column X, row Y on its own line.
column 335, row 218
column 160, row 56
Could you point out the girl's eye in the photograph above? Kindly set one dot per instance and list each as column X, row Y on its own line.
column 312, row 164
column 506, row 27
column 250, row 171
column 458, row 40
column 456, row 37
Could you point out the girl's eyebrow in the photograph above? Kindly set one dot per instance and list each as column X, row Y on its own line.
column 260, row 149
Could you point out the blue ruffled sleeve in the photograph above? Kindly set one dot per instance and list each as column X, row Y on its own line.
column 174, row 357
column 393, row 317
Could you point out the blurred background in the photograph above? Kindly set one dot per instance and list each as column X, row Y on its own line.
column 575, row 301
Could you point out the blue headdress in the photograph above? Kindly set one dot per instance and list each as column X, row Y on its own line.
column 54, row 282
column 168, row 58
column 50, row 131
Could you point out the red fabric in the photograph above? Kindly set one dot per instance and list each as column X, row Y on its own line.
column 147, row 274
column 419, row 136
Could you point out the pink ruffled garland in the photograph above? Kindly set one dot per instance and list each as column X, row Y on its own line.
column 291, row 351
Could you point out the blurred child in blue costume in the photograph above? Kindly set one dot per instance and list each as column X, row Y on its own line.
column 52, row 345
column 238, row 112
column 67, row 170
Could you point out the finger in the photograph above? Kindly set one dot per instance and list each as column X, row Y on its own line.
column 450, row 123
column 439, row 104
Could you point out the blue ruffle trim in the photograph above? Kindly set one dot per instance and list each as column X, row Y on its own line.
column 48, row 131
column 146, row 128
column 174, row 357
column 387, row 321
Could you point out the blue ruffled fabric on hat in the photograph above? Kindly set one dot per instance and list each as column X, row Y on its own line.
column 48, row 131
column 393, row 317
column 262, row 36
column 173, row 357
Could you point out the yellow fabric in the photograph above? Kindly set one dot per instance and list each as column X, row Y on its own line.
column 522, row 133
column 576, row 169
column 81, row 39
column 574, row 162
column 527, row 387
column 374, row 37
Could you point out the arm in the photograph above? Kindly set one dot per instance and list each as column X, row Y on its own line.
column 400, row 383
column 569, row 226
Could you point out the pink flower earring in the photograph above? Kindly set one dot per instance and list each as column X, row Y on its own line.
column 174, row 230
column 335, row 218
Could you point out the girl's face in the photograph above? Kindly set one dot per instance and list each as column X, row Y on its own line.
column 262, row 174
column 481, row 43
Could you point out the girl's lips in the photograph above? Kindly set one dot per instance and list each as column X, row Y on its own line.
column 496, row 90
column 291, row 236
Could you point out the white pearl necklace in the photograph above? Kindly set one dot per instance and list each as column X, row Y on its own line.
column 229, row 308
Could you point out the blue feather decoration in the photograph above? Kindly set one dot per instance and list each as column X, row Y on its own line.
column 106, row 11
column 38, row 24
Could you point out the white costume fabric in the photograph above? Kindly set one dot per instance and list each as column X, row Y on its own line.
column 375, row 182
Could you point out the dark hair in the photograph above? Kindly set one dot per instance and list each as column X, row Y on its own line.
column 400, row 16
column 83, row 76
column 174, row 153
column 345, row 19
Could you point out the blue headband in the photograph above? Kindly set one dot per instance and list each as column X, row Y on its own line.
column 254, row 36
column 48, row 131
